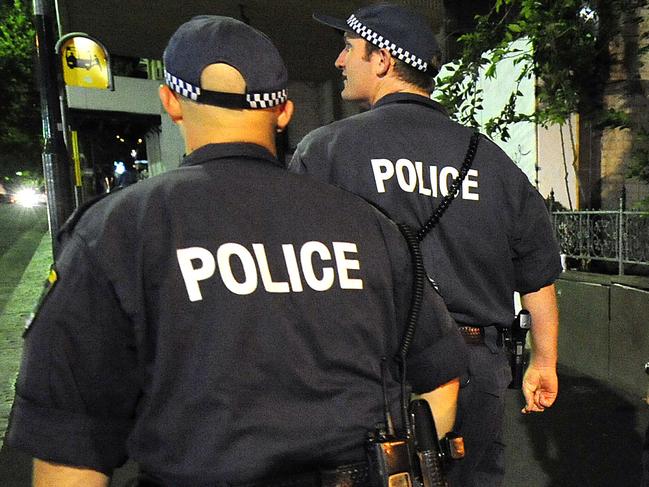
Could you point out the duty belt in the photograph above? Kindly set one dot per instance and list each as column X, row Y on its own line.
column 353, row 475
column 473, row 335
column 477, row 335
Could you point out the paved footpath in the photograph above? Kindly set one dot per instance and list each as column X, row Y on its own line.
column 12, row 320
column 591, row 437
column 23, row 267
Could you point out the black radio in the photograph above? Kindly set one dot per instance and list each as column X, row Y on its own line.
column 416, row 459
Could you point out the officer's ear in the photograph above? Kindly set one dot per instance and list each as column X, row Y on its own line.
column 171, row 104
column 284, row 115
column 381, row 60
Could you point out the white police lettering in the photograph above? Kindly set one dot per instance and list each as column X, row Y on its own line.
column 224, row 257
column 192, row 274
column 409, row 182
column 426, row 180
column 344, row 264
column 306, row 258
column 270, row 285
column 292, row 268
column 198, row 264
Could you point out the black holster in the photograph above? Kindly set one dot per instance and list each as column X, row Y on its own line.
column 515, row 343
column 418, row 459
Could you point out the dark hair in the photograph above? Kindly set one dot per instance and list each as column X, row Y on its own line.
column 409, row 74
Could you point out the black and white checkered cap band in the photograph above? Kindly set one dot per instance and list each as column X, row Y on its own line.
column 378, row 40
column 254, row 100
column 266, row 100
column 182, row 87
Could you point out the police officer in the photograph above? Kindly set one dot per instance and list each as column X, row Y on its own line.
column 495, row 237
column 205, row 324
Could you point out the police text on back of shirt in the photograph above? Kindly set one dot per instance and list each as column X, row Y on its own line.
column 198, row 264
column 426, row 180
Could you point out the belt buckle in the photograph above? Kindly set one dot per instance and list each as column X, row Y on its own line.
column 473, row 335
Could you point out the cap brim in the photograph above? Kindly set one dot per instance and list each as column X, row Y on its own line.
column 338, row 24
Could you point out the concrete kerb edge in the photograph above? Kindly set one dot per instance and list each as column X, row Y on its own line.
column 34, row 274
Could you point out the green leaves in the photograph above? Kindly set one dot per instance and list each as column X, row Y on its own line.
column 573, row 45
column 568, row 60
column 20, row 126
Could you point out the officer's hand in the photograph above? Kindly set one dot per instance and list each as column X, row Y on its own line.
column 540, row 388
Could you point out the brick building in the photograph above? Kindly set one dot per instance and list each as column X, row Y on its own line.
column 605, row 154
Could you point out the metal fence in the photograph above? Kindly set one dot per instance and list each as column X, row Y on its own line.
column 614, row 236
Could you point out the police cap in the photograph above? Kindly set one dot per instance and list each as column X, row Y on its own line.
column 402, row 32
column 212, row 39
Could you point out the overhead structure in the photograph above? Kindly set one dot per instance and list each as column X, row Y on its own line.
column 140, row 30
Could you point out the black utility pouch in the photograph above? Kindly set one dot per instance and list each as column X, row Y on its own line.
column 389, row 462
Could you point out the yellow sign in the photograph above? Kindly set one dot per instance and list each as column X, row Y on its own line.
column 85, row 62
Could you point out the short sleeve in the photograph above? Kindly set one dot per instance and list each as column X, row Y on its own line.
column 314, row 156
column 536, row 258
column 78, row 383
column 296, row 164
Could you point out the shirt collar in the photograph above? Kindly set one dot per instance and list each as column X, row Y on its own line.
column 409, row 98
column 231, row 150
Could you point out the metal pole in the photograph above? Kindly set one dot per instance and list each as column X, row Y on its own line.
column 620, row 232
column 56, row 167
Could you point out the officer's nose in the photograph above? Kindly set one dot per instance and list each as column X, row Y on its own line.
column 340, row 60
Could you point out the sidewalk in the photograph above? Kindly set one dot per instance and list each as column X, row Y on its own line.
column 17, row 309
column 591, row 437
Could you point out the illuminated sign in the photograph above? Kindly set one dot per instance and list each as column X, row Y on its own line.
column 85, row 62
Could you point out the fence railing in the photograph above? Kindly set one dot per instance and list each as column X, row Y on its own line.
column 615, row 236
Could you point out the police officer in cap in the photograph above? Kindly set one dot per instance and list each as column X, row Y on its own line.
column 495, row 237
column 207, row 323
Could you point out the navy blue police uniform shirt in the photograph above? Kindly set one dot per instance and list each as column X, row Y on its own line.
column 223, row 321
column 402, row 155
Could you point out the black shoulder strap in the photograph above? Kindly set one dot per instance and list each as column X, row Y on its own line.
column 454, row 190
column 419, row 272
column 419, row 278
column 413, row 239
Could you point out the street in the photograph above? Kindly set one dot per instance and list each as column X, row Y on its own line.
column 21, row 230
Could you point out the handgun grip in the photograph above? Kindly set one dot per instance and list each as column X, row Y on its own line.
column 431, row 469
column 429, row 452
column 425, row 431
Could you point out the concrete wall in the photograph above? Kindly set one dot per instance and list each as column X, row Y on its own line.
column 307, row 98
column 604, row 329
column 626, row 91
column 552, row 166
column 172, row 145
column 316, row 104
column 131, row 95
